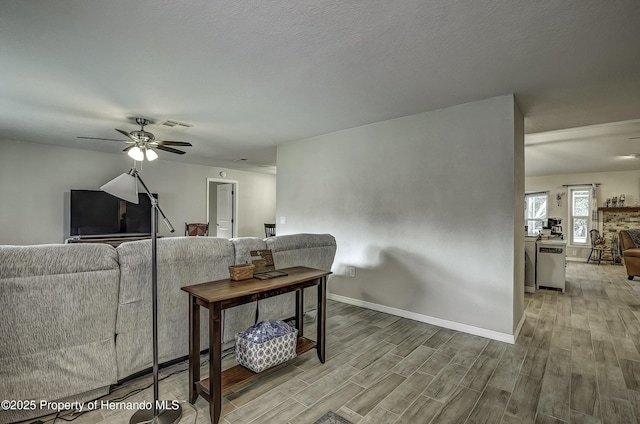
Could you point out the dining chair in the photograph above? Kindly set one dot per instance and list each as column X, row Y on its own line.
column 196, row 229
column 269, row 230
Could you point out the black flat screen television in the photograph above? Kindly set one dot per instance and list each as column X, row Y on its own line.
column 96, row 213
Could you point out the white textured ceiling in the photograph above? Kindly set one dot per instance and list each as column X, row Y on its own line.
column 253, row 74
column 596, row 148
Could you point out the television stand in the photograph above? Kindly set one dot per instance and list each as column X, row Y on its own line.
column 113, row 240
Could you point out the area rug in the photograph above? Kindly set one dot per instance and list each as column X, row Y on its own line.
column 332, row 418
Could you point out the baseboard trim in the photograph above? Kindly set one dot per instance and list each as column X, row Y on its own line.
column 519, row 327
column 528, row 289
column 465, row 328
column 576, row 259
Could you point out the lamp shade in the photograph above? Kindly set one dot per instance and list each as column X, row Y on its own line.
column 123, row 186
column 136, row 154
column 151, row 155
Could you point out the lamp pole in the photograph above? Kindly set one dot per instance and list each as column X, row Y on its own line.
column 125, row 187
column 165, row 416
column 154, row 300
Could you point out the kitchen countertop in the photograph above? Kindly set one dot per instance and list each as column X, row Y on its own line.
column 553, row 242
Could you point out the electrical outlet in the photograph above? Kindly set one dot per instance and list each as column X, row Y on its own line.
column 352, row 271
column 283, row 219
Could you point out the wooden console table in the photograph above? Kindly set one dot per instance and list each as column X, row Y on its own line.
column 219, row 295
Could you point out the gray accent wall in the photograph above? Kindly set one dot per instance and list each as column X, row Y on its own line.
column 426, row 208
column 35, row 180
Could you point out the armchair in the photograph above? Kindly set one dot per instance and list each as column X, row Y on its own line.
column 630, row 244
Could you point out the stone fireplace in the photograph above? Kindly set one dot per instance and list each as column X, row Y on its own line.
column 616, row 219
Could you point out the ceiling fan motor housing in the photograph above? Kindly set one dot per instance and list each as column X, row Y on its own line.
column 143, row 136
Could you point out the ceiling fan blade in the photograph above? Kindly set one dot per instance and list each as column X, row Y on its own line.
column 173, row 143
column 126, row 134
column 126, row 149
column 169, row 149
column 98, row 138
column 633, row 138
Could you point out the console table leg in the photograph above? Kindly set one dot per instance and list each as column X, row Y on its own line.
column 194, row 348
column 322, row 317
column 215, row 363
column 299, row 311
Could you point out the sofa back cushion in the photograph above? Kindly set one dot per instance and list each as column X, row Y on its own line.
column 57, row 304
column 243, row 247
column 182, row 261
column 239, row 318
column 310, row 250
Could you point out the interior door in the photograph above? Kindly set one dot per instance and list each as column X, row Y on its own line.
column 224, row 209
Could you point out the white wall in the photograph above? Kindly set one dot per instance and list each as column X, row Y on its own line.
column 518, row 235
column 423, row 208
column 35, row 180
column 612, row 184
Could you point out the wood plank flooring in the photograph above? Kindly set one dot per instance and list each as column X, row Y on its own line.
column 577, row 360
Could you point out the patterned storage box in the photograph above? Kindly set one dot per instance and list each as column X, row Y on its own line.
column 266, row 344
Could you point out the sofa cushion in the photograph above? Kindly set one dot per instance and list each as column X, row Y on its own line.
column 58, row 311
column 243, row 247
column 182, row 261
column 310, row 250
column 239, row 318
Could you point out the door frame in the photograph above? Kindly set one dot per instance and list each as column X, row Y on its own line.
column 236, row 184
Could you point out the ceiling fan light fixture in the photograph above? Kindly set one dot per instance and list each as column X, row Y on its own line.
column 136, row 153
column 151, row 155
column 141, row 143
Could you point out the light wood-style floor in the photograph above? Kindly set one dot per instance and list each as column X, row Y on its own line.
column 577, row 360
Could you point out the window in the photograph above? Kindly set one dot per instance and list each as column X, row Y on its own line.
column 535, row 215
column 580, row 215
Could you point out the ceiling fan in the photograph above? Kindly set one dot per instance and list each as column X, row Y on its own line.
column 141, row 143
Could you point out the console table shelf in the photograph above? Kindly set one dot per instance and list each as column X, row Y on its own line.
column 238, row 375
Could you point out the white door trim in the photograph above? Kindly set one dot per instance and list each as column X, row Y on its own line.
column 236, row 188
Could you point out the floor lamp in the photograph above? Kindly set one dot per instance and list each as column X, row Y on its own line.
column 125, row 187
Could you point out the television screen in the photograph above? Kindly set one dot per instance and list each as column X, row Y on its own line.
column 94, row 212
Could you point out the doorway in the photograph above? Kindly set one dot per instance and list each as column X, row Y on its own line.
column 222, row 210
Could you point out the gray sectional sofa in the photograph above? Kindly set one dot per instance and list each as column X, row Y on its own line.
column 76, row 319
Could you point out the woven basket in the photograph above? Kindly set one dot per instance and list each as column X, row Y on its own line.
column 241, row 272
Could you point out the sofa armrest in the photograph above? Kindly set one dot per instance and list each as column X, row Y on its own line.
column 625, row 241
